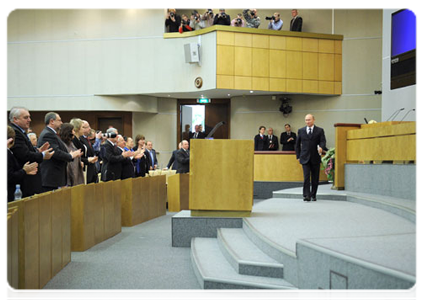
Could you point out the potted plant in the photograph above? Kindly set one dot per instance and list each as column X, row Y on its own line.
column 328, row 164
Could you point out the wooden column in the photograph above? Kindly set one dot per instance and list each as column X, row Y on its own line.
column 178, row 192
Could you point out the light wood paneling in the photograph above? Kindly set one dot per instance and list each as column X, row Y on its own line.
column 242, row 83
column 225, row 60
column 102, row 195
column 294, row 85
column 326, row 46
column 326, row 67
column 260, row 62
column 225, row 82
column 243, row 39
column 260, row 84
column 117, row 222
column 310, row 86
column 276, row 84
column 66, row 199
column 277, row 42
column 294, row 43
column 310, row 66
column 338, row 47
column 326, row 87
column 382, row 129
column 45, row 242
column 243, row 61
column 217, row 163
column 178, row 192
column 338, row 88
column 294, row 65
column 32, row 243
column 260, row 41
column 338, row 67
column 277, row 64
column 226, row 38
column 279, row 167
column 13, row 247
column 310, row 45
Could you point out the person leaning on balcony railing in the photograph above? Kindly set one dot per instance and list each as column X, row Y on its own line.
column 184, row 26
column 197, row 21
column 173, row 20
column 251, row 17
column 238, row 21
column 222, row 18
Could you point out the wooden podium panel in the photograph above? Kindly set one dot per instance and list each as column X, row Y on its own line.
column 221, row 175
column 178, row 192
column 31, row 270
column 13, row 247
column 45, row 240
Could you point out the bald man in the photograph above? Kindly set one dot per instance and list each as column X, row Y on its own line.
column 311, row 141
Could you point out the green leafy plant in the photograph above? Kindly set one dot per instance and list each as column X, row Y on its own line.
column 328, row 164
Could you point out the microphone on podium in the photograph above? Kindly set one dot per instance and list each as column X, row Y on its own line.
column 413, row 109
column 395, row 113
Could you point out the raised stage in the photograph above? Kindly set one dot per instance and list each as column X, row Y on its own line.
column 342, row 241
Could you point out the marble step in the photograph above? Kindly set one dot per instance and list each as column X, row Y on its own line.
column 213, row 271
column 244, row 256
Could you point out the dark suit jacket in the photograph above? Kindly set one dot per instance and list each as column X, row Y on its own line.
column 274, row 141
column 296, row 25
column 112, row 162
column 149, row 161
column 201, row 135
column 182, row 157
column 140, row 164
column 15, row 175
column 92, row 175
column 53, row 171
column 260, row 144
column 24, row 152
column 173, row 161
column 288, row 146
column 306, row 148
column 127, row 167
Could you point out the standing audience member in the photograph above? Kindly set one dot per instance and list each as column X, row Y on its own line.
column 198, row 134
column 24, row 152
column 182, row 157
column 275, row 23
column 151, row 156
column 16, row 173
column 90, row 157
column 173, row 161
column 184, row 26
column 238, row 21
column 208, row 17
column 222, row 18
column 172, row 20
column 311, row 142
column 197, row 21
column 296, row 22
column 113, row 158
column 53, row 171
column 251, row 17
column 33, row 138
column 260, row 140
column 272, row 140
column 129, row 144
column 141, row 165
column 127, row 165
column 74, row 169
column 288, row 139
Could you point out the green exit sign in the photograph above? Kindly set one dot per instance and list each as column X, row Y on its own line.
column 203, row 100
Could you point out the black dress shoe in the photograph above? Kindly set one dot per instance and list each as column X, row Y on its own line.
column 306, row 199
column 313, row 198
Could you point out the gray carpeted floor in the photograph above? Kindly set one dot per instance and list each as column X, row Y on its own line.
column 140, row 257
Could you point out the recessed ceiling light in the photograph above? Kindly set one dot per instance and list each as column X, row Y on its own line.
column 251, row 92
column 229, row 95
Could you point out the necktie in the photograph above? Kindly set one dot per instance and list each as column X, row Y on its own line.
column 309, row 130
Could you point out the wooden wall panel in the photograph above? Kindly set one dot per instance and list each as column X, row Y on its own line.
column 277, row 42
column 13, row 247
column 294, row 65
column 326, row 46
column 243, row 61
column 326, row 67
column 243, row 40
column 260, row 41
column 294, row 85
column 310, row 86
column 242, row 83
column 310, row 66
column 276, row 84
column 338, row 67
column 225, row 60
column 326, row 87
column 225, row 82
column 32, row 244
column 277, row 64
column 226, row 38
column 294, row 44
column 310, row 45
column 66, row 200
column 45, row 240
column 260, row 63
column 260, row 84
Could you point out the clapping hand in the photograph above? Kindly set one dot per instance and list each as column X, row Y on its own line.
column 31, row 169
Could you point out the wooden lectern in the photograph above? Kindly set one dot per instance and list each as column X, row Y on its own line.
column 221, row 177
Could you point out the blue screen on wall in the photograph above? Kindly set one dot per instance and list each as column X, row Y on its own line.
column 403, row 32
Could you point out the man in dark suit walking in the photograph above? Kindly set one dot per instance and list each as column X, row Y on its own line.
column 311, row 142
column 53, row 171
column 24, row 151
column 288, row 139
column 183, row 158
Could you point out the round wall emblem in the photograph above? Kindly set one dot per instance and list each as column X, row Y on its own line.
column 198, row 82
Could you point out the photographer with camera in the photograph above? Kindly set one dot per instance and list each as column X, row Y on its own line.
column 222, row 18
column 172, row 20
column 208, row 17
column 238, row 21
column 275, row 22
column 184, row 25
column 197, row 21
column 251, row 17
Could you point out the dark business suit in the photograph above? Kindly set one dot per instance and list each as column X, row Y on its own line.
column 92, row 175
column 296, row 24
column 260, row 143
column 272, row 143
column 173, row 161
column 53, row 171
column 127, row 167
column 198, row 135
column 15, row 175
column 182, row 156
column 25, row 152
column 307, row 153
column 151, row 161
column 140, row 165
column 112, row 162
column 288, row 146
